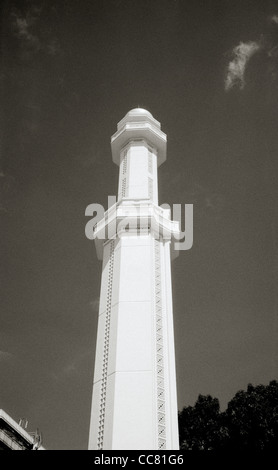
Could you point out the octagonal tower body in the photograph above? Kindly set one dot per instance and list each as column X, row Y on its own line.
column 134, row 404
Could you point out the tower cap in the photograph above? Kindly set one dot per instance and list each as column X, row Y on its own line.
column 139, row 123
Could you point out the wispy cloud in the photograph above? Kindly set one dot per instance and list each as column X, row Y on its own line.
column 244, row 51
column 32, row 32
column 22, row 31
column 94, row 305
column 237, row 66
column 76, row 365
column 5, row 356
column 23, row 26
column 274, row 19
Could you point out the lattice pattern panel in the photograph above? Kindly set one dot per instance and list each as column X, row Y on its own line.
column 106, row 347
column 125, row 163
column 124, row 176
column 160, row 390
column 123, row 192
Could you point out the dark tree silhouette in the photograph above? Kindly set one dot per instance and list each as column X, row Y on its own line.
column 201, row 426
column 250, row 421
column 252, row 418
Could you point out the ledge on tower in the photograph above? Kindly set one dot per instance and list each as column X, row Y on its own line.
column 139, row 124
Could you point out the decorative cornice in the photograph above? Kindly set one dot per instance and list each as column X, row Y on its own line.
column 146, row 129
column 134, row 217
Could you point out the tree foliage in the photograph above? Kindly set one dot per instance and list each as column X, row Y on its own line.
column 200, row 425
column 250, row 421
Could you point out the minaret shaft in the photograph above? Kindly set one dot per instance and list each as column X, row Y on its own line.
column 138, row 172
column 134, row 404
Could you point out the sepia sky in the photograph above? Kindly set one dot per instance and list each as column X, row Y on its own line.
column 208, row 71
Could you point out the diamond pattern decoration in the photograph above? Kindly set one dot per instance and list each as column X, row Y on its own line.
column 123, row 187
column 161, row 418
column 124, row 176
column 125, row 162
column 106, row 348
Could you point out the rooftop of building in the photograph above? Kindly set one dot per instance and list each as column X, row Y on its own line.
column 14, row 437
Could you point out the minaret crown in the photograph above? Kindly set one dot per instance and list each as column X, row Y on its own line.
column 139, row 123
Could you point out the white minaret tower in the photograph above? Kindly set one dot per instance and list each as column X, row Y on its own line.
column 134, row 404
